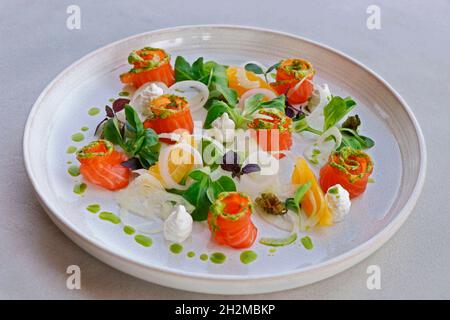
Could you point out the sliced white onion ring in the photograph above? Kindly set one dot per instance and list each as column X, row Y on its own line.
column 285, row 222
column 324, row 146
column 241, row 76
column 195, row 92
column 163, row 163
column 247, row 94
column 316, row 118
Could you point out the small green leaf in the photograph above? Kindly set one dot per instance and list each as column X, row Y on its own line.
column 223, row 184
column 294, row 203
column 111, row 132
column 252, row 67
column 133, row 119
column 336, row 109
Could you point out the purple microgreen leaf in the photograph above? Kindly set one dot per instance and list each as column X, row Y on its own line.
column 230, row 157
column 249, row 168
column 119, row 104
column 99, row 125
column 290, row 112
column 132, row 164
column 109, row 112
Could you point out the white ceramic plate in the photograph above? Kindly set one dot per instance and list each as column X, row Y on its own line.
column 61, row 110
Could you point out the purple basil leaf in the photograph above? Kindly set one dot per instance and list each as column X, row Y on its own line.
column 290, row 112
column 109, row 112
column 230, row 157
column 231, row 167
column 119, row 104
column 251, row 167
column 99, row 125
column 132, row 163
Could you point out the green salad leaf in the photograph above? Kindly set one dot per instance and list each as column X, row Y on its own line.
column 294, row 203
column 211, row 73
column 336, row 109
column 137, row 141
column 203, row 192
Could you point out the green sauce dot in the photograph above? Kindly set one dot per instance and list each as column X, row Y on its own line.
column 71, row 149
column 307, row 242
column 109, row 216
column 77, row 137
column 74, row 170
column 93, row 208
column 273, row 250
column 143, row 240
column 248, row 256
column 191, row 254
column 79, row 188
column 124, row 94
column 84, row 128
column 217, row 258
column 129, row 230
column 93, row 111
column 176, row 248
column 203, row 257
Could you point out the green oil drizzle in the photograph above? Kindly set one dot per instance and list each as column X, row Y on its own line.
column 93, row 111
column 111, row 99
column 307, row 242
column 69, row 162
column 248, row 256
column 109, row 216
column 217, row 258
column 129, row 230
column 71, row 149
column 203, row 257
column 143, row 240
column 371, row 180
column 93, row 208
column 273, row 250
column 124, row 94
column 176, row 248
column 77, row 137
column 79, row 188
column 191, row 254
column 74, row 170
column 84, row 128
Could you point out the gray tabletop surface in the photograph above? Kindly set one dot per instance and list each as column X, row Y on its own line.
column 411, row 51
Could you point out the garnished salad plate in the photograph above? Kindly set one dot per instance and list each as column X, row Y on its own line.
column 223, row 159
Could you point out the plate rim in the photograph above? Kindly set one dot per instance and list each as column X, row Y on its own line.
column 356, row 254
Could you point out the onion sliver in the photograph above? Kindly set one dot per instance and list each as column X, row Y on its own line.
column 185, row 88
column 268, row 93
column 163, row 163
column 241, row 75
column 324, row 146
column 285, row 222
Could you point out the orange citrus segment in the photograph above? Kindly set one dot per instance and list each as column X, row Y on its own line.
column 180, row 164
column 242, row 80
column 313, row 203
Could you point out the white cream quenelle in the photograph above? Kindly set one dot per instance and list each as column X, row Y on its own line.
column 178, row 226
column 223, row 128
column 338, row 201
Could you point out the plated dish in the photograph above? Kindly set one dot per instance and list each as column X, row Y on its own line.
column 217, row 168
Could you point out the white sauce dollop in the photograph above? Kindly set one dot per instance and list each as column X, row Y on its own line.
column 145, row 94
column 223, row 128
column 338, row 201
column 178, row 226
